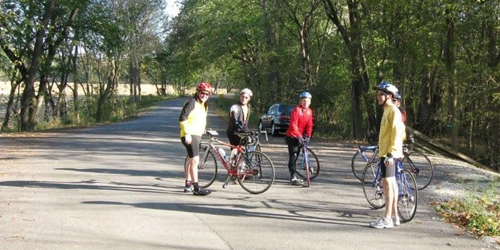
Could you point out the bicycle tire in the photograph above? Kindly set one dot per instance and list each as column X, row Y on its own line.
column 314, row 166
column 257, row 173
column 372, row 186
column 421, row 168
column 407, row 196
column 207, row 168
column 358, row 164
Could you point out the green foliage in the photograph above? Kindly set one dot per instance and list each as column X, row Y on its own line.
column 280, row 48
column 122, row 108
column 479, row 211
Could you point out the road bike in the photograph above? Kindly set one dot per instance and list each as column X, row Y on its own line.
column 253, row 143
column 407, row 189
column 307, row 163
column 253, row 170
column 417, row 163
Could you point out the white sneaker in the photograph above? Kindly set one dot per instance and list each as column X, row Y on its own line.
column 396, row 221
column 295, row 181
column 188, row 189
column 382, row 223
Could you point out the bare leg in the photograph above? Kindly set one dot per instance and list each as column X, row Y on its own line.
column 389, row 196
column 192, row 169
column 396, row 195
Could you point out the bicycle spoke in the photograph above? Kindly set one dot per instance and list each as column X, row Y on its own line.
column 421, row 168
column 358, row 163
column 407, row 197
column 314, row 166
column 207, row 168
column 372, row 186
column 256, row 172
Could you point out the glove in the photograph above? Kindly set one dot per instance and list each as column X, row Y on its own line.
column 389, row 161
column 306, row 139
column 188, row 139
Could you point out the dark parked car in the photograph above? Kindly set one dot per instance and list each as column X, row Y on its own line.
column 276, row 119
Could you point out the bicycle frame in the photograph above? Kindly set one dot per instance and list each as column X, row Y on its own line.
column 400, row 180
column 231, row 169
column 305, row 161
column 363, row 149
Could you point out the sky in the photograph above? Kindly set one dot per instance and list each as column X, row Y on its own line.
column 172, row 8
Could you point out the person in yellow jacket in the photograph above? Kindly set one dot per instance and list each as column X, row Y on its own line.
column 193, row 120
column 391, row 137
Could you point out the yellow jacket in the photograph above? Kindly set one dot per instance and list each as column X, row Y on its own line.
column 392, row 132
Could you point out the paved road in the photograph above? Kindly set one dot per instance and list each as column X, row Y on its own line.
column 119, row 186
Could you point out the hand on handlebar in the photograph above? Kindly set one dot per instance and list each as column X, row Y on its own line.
column 304, row 139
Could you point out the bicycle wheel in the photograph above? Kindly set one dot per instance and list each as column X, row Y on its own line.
column 313, row 164
column 256, row 172
column 207, row 168
column 358, row 164
column 408, row 196
column 421, row 168
column 372, row 186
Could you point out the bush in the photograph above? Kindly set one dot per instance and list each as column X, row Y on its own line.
column 479, row 212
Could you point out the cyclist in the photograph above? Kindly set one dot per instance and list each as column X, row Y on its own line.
column 193, row 120
column 238, row 118
column 397, row 101
column 392, row 133
column 301, row 126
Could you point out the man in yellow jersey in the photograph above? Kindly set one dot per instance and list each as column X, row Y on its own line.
column 392, row 134
column 193, row 120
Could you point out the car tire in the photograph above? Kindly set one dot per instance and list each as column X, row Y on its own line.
column 274, row 131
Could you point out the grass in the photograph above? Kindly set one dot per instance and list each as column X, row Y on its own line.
column 478, row 212
column 123, row 109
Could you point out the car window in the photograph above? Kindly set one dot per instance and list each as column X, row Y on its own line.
column 272, row 109
column 280, row 108
column 289, row 109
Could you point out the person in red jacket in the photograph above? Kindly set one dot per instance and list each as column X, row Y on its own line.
column 301, row 126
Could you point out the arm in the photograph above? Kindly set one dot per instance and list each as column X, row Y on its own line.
column 294, row 121
column 183, row 118
column 234, row 117
column 309, row 124
column 398, row 132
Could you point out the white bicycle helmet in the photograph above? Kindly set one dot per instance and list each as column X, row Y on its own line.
column 387, row 88
column 246, row 91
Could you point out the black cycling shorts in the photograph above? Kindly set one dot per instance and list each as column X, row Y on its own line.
column 192, row 149
column 385, row 171
column 233, row 139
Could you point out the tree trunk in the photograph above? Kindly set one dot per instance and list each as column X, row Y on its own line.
column 28, row 100
column 10, row 103
column 76, row 104
column 359, row 76
column 450, row 59
column 271, row 45
column 108, row 90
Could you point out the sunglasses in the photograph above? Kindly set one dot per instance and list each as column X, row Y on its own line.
column 245, row 97
column 204, row 94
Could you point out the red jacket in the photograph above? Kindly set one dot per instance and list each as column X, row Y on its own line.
column 301, row 122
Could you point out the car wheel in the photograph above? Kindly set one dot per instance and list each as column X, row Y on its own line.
column 274, row 131
column 260, row 127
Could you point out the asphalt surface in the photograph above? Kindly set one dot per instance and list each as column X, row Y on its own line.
column 120, row 186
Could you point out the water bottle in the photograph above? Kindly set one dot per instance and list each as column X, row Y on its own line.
column 223, row 154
